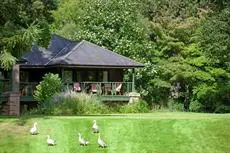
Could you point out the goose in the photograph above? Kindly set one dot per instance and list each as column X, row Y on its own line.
column 95, row 127
column 82, row 141
column 34, row 129
column 101, row 142
column 50, row 141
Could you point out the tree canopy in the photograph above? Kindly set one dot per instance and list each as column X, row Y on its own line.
column 23, row 22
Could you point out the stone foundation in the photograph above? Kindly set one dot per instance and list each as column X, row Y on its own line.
column 134, row 96
column 11, row 106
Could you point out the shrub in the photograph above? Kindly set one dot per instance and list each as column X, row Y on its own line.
column 114, row 107
column 222, row 109
column 158, row 108
column 175, row 106
column 50, row 85
column 72, row 103
column 137, row 107
column 195, row 106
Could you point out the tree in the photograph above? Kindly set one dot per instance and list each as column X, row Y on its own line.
column 116, row 25
column 214, row 36
column 22, row 22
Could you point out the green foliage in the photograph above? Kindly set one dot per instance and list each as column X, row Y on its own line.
column 214, row 37
column 222, row 109
column 195, row 106
column 18, row 42
column 6, row 60
column 136, row 107
column 23, row 22
column 72, row 103
column 174, row 10
column 178, row 41
column 50, row 85
column 117, row 25
column 175, row 106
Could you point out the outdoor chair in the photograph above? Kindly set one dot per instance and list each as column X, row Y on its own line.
column 76, row 87
column 118, row 88
column 94, row 88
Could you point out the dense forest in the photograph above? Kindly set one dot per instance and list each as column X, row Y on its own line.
column 185, row 44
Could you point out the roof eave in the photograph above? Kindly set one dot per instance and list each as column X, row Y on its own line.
column 32, row 66
column 83, row 66
column 97, row 66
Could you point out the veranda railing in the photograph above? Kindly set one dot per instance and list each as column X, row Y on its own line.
column 100, row 88
column 27, row 88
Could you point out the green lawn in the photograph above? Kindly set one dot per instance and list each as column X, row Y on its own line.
column 139, row 133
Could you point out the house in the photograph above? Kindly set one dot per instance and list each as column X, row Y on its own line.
column 83, row 67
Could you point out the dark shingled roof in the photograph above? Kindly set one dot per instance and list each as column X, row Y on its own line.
column 62, row 51
column 36, row 57
column 59, row 43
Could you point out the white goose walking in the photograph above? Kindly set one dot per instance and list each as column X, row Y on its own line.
column 50, row 141
column 95, row 127
column 82, row 141
column 101, row 142
column 34, row 129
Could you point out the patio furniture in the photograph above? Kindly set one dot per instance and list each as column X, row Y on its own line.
column 94, row 88
column 76, row 87
column 118, row 88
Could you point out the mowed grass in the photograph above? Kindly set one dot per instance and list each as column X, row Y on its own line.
column 138, row 133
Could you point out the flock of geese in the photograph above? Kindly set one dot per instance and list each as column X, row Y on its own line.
column 82, row 141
